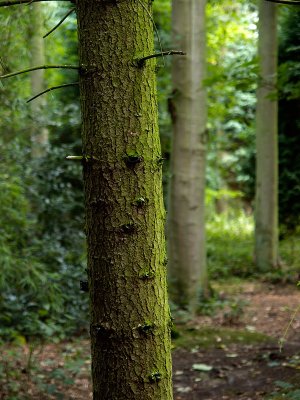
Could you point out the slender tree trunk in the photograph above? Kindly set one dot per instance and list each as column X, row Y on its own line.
column 266, row 213
column 39, row 133
column 186, row 245
column 130, row 319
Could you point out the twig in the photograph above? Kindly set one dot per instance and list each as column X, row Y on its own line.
column 155, row 27
column 8, row 3
column 60, row 22
column 83, row 158
column 75, row 158
column 290, row 3
column 282, row 339
column 39, row 67
column 52, row 88
column 141, row 61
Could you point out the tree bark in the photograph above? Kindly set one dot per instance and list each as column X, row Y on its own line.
column 39, row 133
column 266, row 211
column 130, row 319
column 186, row 229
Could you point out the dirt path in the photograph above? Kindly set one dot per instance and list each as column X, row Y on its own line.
column 232, row 355
column 255, row 368
column 241, row 372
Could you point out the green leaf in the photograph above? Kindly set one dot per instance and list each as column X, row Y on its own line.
column 284, row 385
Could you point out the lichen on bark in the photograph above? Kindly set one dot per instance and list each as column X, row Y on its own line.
column 130, row 336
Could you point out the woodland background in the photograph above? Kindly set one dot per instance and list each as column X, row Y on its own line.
column 42, row 242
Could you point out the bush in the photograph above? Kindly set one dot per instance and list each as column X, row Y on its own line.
column 42, row 252
column 230, row 245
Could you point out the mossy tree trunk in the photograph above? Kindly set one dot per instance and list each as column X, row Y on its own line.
column 186, row 228
column 130, row 319
column 266, row 207
column 39, row 132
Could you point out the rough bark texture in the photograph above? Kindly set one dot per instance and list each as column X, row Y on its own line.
column 186, row 231
column 39, row 133
column 130, row 319
column 266, row 212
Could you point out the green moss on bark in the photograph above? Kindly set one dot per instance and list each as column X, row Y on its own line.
column 124, row 237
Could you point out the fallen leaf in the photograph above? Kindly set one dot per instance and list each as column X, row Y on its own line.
column 202, row 367
column 178, row 373
column 185, row 389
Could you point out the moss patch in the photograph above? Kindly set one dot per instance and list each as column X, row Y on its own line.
column 215, row 337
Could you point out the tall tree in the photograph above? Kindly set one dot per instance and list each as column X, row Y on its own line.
column 39, row 132
column 130, row 320
column 266, row 203
column 186, row 244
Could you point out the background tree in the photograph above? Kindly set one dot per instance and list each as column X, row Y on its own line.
column 39, row 132
column 266, row 204
column 186, row 230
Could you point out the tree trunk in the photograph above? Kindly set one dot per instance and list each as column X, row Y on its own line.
column 186, row 229
column 39, row 133
column 130, row 319
column 266, row 212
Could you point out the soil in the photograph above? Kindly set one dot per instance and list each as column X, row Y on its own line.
column 249, row 370
column 233, row 354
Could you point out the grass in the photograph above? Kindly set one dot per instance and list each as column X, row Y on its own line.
column 230, row 245
column 230, row 249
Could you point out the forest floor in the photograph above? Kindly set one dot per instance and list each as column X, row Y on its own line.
column 231, row 354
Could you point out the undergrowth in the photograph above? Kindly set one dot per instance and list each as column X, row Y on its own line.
column 230, row 249
column 35, row 371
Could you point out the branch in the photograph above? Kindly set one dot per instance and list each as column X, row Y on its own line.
column 75, row 158
column 38, row 67
column 52, row 88
column 290, row 3
column 60, row 22
column 141, row 61
column 8, row 3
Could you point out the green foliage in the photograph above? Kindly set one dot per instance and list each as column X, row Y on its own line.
column 230, row 245
column 231, row 83
column 42, row 241
column 233, row 308
column 14, row 55
column 61, row 46
column 42, row 247
column 57, row 194
column 25, row 289
column 162, row 19
column 285, row 390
